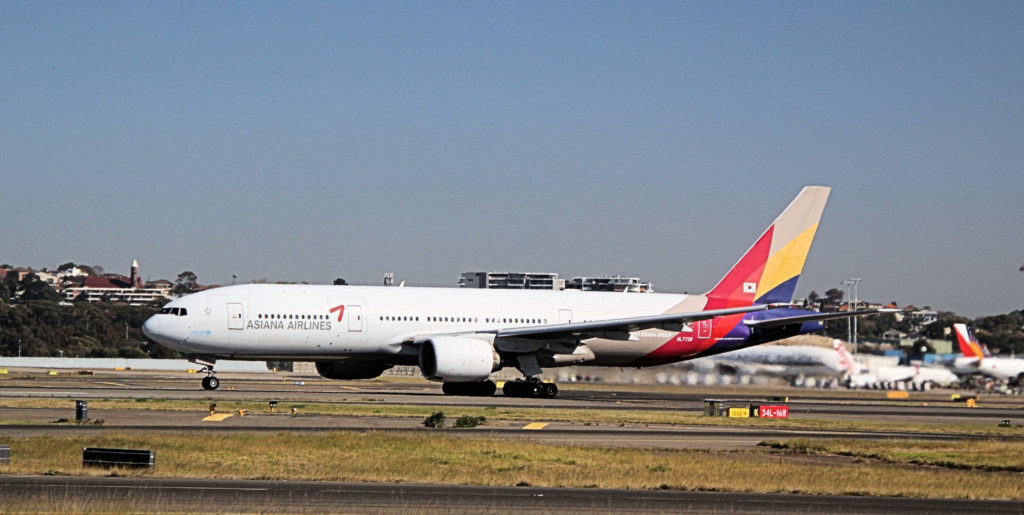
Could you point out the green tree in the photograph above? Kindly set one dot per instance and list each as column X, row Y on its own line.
column 185, row 283
column 834, row 296
column 944, row 321
column 34, row 288
column 812, row 298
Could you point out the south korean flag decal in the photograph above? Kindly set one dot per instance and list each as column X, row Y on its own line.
column 749, row 287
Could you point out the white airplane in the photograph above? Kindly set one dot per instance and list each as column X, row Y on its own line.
column 978, row 358
column 890, row 377
column 786, row 361
column 462, row 336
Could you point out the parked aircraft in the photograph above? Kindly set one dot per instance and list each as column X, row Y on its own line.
column 461, row 336
column 978, row 358
column 916, row 377
column 785, row 361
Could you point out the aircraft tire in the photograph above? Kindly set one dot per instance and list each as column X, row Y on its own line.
column 475, row 389
column 511, row 389
column 535, row 389
column 211, row 383
column 549, row 390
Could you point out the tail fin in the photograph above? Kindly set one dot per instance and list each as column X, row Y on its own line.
column 968, row 343
column 769, row 270
column 845, row 359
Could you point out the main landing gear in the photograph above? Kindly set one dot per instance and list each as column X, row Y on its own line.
column 530, row 388
column 476, row 389
column 519, row 388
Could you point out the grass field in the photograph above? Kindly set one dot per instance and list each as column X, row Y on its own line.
column 962, row 469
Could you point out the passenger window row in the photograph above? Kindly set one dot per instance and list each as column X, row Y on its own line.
column 291, row 317
column 406, row 318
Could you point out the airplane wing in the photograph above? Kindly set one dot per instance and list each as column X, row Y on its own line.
column 619, row 329
column 816, row 317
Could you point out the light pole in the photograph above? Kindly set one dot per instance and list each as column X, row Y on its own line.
column 851, row 326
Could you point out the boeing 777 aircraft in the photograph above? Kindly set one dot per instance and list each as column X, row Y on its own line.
column 462, row 336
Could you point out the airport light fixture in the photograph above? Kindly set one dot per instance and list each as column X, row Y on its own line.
column 851, row 325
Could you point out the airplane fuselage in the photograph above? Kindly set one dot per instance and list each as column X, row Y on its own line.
column 310, row 322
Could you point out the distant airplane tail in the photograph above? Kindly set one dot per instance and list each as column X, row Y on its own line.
column 768, row 272
column 845, row 359
column 969, row 345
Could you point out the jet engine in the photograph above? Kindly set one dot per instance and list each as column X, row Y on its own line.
column 457, row 359
column 352, row 368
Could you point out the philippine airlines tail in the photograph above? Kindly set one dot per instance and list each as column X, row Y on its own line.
column 768, row 272
column 968, row 343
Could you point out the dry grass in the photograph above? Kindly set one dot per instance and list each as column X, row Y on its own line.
column 991, row 455
column 436, row 458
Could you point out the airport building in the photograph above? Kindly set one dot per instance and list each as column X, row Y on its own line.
column 550, row 281
column 511, row 280
column 612, row 283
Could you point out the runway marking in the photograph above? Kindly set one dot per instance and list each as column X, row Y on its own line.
column 111, row 384
column 536, row 425
column 218, row 417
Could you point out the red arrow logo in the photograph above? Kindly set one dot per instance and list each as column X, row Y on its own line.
column 340, row 309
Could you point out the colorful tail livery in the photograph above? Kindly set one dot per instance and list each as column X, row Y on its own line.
column 968, row 343
column 845, row 359
column 766, row 274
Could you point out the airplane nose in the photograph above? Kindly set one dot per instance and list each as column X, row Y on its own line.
column 151, row 327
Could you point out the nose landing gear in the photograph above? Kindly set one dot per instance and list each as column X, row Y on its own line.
column 210, row 382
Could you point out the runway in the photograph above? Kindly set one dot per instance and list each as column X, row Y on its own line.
column 192, row 495
column 296, row 496
column 924, row 407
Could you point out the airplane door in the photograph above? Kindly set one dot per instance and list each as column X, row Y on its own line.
column 235, row 320
column 565, row 316
column 355, row 318
column 704, row 329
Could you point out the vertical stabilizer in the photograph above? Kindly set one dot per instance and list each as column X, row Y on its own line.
column 845, row 359
column 968, row 343
column 768, row 272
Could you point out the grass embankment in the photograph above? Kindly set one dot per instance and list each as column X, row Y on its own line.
column 438, row 458
column 367, row 407
column 986, row 455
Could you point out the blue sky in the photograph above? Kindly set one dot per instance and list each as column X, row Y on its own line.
column 307, row 141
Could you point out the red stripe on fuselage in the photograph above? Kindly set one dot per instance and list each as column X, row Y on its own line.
column 729, row 292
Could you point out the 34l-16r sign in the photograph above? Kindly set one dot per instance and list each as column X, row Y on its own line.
column 773, row 411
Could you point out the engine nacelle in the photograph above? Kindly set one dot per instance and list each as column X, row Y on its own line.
column 352, row 368
column 457, row 359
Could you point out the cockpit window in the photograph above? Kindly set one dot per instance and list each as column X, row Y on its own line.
column 183, row 312
column 178, row 312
